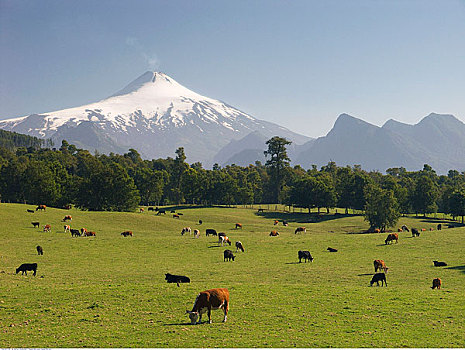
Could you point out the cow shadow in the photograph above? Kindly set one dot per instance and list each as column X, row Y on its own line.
column 460, row 268
column 179, row 324
column 292, row 263
column 301, row 218
column 365, row 274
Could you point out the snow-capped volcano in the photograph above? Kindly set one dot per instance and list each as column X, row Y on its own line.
column 153, row 114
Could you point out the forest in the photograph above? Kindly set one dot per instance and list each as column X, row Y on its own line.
column 68, row 175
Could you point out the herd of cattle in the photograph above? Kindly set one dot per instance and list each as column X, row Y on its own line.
column 219, row 298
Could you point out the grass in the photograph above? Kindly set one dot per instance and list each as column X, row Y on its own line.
column 109, row 291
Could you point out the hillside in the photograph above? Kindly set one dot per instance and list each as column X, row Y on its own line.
column 12, row 140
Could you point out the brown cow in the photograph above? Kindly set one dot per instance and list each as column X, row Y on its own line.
column 176, row 216
column 399, row 230
column 300, row 229
column 276, row 222
column 41, row 207
column 208, row 300
column 141, row 210
column 47, row 228
column 89, row 233
column 379, row 264
column 274, row 233
column 126, row 233
column 436, row 283
column 392, row 237
column 67, row 228
column 196, row 233
column 83, row 231
column 238, row 225
column 67, row 217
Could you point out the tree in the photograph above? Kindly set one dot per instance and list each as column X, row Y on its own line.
column 381, row 209
column 457, row 204
column 424, row 195
column 178, row 169
column 277, row 163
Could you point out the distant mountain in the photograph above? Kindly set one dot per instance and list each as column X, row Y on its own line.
column 437, row 140
column 153, row 114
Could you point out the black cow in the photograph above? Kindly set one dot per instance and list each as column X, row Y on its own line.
column 35, row 223
column 27, row 267
column 176, row 279
column 200, row 222
column 439, row 263
column 161, row 211
column 380, row 276
column 75, row 232
column 211, row 231
column 439, row 227
column 332, row 250
column 305, row 254
column 228, row 254
column 415, row 232
column 150, row 209
column 40, row 251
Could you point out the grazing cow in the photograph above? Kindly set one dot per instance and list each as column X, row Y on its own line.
column 47, row 228
column 176, row 279
column 274, row 233
column 150, row 209
column 332, row 250
column 196, row 233
column 238, row 225
column 423, row 229
column 27, row 267
column 185, row 230
column 126, row 233
column 439, row 263
column 67, row 217
column 40, row 251
column 391, row 237
column 228, row 254
column 67, row 206
column 176, row 216
column 380, row 276
column 305, row 254
column 173, row 211
column 208, row 300
column 161, row 211
column 405, row 228
column 75, row 232
column 211, row 231
column 30, row 210
column 200, row 222
column 141, row 210
column 239, row 246
column 261, row 210
column 439, row 227
column 300, row 229
column 379, row 264
column 276, row 222
column 89, row 233
column 223, row 239
column 376, row 230
column 415, row 232
column 35, row 223
column 399, row 230
column 221, row 234
column 83, row 231
column 67, row 228
column 436, row 283
column 41, row 207
column 285, row 223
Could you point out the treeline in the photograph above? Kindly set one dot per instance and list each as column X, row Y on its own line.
column 12, row 141
column 68, row 175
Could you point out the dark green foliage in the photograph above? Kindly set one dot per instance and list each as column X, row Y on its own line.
column 381, row 209
column 12, row 141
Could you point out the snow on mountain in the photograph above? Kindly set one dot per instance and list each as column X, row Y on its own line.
column 153, row 114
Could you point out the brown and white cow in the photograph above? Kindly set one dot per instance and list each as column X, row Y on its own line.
column 239, row 246
column 186, row 230
column 67, row 228
column 175, row 216
column 41, row 207
column 379, row 264
column 141, row 210
column 238, row 225
column 276, row 222
column 212, row 299
column 223, row 239
column 67, row 217
column 300, row 229
column 126, row 233
column 274, row 233
column 47, row 228
column 436, row 283
column 196, row 233
column 392, row 237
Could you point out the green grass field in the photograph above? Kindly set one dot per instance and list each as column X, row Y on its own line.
column 109, row 291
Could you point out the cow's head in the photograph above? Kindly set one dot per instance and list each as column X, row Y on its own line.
column 193, row 315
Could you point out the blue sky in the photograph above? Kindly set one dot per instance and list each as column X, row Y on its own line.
column 296, row 63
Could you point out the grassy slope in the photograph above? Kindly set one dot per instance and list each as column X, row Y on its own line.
column 109, row 291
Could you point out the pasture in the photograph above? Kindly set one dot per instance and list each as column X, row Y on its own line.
column 109, row 290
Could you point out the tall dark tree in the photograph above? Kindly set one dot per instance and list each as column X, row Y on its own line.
column 424, row 195
column 277, row 163
column 457, row 204
column 381, row 209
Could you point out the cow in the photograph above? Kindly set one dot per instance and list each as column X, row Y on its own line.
column 415, row 232
column 175, row 216
column 67, row 217
column 305, row 254
column 67, row 228
column 399, row 230
column 331, row 250
column 89, row 233
column 423, row 229
column 151, row 209
column 276, row 222
column 239, row 246
column 238, row 225
column 30, row 210
column 196, row 233
column 75, row 232
column 285, row 223
column 185, row 230
column 439, row 227
column 67, row 206
column 161, row 211
column 300, row 229
column 392, row 237
column 180, row 213
column 41, row 207
column 380, row 276
column 228, row 254
column 376, row 230
column 35, row 224
column 173, row 211
column 126, row 233
column 436, row 283
column 40, row 251
column 379, row 264
column 210, row 231
column 83, row 231
column 223, row 239
column 208, row 300
column 47, row 228
column 405, row 228
column 27, row 267
column 274, row 233
column 260, row 210
column 141, row 210
column 439, row 263
column 176, row 279
column 200, row 222
column 221, row 234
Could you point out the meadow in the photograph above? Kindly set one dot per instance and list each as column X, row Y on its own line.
column 109, row 291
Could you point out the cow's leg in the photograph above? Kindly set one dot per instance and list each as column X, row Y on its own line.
column 35, row 272
column 209, row 314
column 225, row 310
